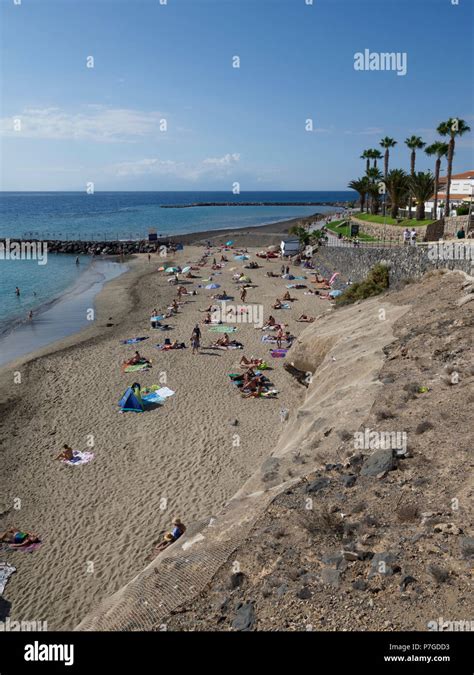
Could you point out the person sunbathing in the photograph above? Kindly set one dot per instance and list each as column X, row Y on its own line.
column 17, row 538
column 306, row 318
column 224, row 341
column 171, row 345
column 288, row 297
column 66, row 454
column 254, row 393
column 167, row 540
column 270, row 321
column 244, row 361
column 278, row 304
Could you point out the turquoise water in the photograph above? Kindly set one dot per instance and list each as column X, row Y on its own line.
column 65, row 315
column 38, row 284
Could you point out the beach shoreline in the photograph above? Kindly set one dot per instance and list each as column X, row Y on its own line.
column 68, row 391
column 259, row 235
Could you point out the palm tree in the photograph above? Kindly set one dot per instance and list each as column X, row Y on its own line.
column 397, row 187
column 360, row 185
column 386, row 143
column 452, row 128
column 302, row 234
column 421, row 188
column 439, row 149
column 366, row 155
column 374, row 178
column 375, row 155
column 414, row 143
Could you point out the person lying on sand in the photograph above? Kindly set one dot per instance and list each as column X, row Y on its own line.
column 270, row 274
column 278, row 304
column 244, row 361
column 66, row 454
column 306, row 318
column 171, row 345
column 17, row 538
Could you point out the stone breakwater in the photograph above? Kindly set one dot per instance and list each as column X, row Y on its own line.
column 189, row 206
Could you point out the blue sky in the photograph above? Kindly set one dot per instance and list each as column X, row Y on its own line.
column 173, row 62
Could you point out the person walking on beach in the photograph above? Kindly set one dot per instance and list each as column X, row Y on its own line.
column 243, row 294
column 195, row 339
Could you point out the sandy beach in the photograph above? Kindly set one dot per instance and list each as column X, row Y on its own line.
column 99, row 522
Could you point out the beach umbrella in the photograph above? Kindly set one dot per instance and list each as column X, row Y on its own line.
column 229, row 243
column 335, row 294
column 211, row 287
column 241, row 257
column 185, row 270
column 172, row 270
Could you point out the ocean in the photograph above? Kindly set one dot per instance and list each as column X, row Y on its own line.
column 113, row 216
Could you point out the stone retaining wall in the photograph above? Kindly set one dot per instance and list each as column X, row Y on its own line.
column 391, row 231
column 409, row 262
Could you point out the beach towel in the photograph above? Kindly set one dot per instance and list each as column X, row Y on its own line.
column 272, row 339
column 27, row 548
column 6, row 571
column 153, row 397
column 133, row 341
column 136, row 367
column 225, row 348
column 285, row 305
column 164, row 392
column 79, row 458
column 157, row 318
column 222, row 329
column 278, row 353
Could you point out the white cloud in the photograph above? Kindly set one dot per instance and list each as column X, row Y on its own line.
column 211, row 166
column 92, row 122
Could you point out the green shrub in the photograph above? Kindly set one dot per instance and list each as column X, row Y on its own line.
column 462, row 210
column 376, row 282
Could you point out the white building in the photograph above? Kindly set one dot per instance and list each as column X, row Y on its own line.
column 462, row 190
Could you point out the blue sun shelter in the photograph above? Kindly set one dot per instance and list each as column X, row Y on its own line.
column 131, row 401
